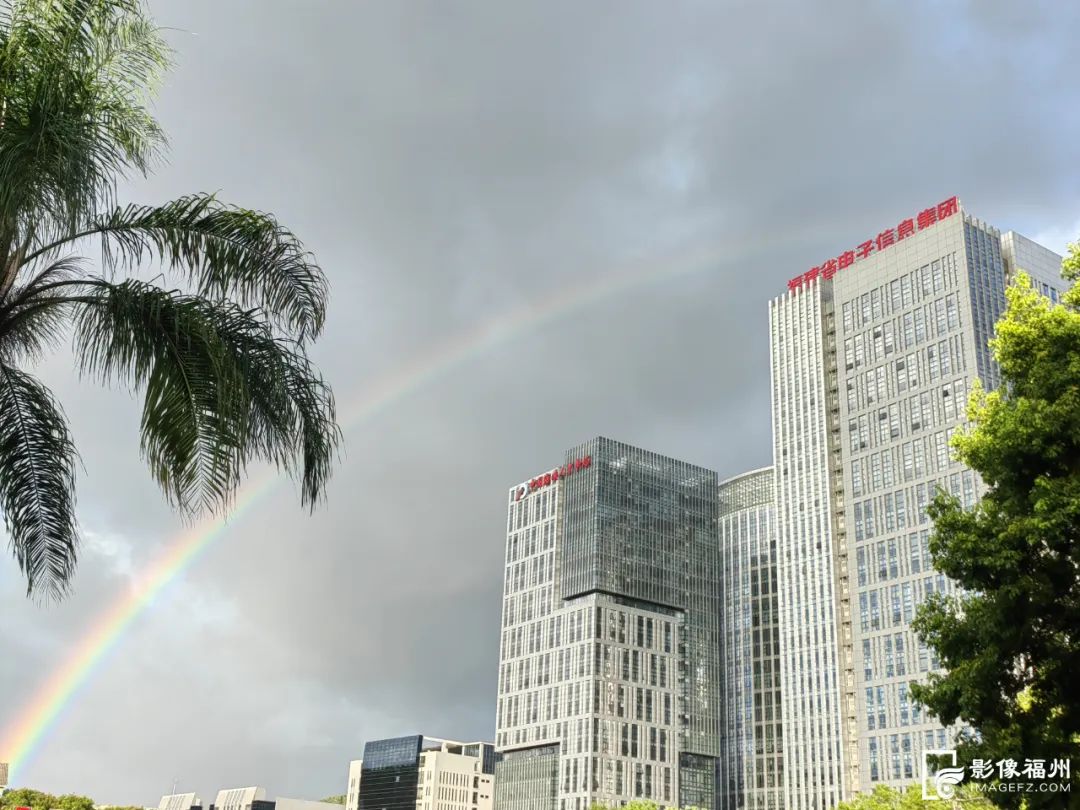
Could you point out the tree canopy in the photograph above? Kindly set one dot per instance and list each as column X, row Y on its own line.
column 37, row 800
column 1009, row 639
column 886, row 798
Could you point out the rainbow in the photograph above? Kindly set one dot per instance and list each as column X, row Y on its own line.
column 24, row 735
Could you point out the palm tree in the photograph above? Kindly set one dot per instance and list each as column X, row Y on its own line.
column 222, row 363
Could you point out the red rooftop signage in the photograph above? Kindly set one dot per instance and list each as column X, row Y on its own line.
column 547, row 479
column 891, row 236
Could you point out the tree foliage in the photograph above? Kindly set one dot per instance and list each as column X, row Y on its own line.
column 638, row 804
column 1010, row 638
column 37, row 800
column 339, row 799
column 886, row 798
column 218, row 349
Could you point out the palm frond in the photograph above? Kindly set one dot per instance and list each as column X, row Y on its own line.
column 223, row 250
column 221, row 389
column 37, row 482
column 33, row 317
column 75, row 79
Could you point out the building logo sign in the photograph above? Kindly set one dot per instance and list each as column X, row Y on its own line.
column 989, row 776
column 547, row 479
column 890, row 236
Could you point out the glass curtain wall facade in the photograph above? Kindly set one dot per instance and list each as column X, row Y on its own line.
column 610, row 654
column 390, row 774
column 752, row 748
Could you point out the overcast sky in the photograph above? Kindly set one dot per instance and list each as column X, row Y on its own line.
column 449, row 164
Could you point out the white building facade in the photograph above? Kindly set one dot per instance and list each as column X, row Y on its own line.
column 874, row 354
column 453, row 780
column 239, row 798
column 352, row 795
column 179, row 801
column 421, row 773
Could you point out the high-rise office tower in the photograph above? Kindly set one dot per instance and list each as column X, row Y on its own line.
column 752, row 751
column 609, row 661
column 873, row 353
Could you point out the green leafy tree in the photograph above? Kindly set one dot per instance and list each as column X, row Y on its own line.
column 37, row 800
column 335, row 799
column 222, row 364
column 886, row 798
column 1010, row 638
column 25, row 797
column 637, row 804
column 71, row 802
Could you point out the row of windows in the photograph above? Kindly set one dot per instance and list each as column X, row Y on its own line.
column 530, row 509
column 559, row 665
column 886, row 656
column 529, row 573
column 894, row 558
column 565, row 627
column 886, row 513
column 619, row 778
column 907, row 373
column 921, row 412
column 897, row 761
column 906, row 710
column 532, row 540
column 904, row 332
column 572, row 699
column 528, row 606
column 901, row 293
column 895, row 606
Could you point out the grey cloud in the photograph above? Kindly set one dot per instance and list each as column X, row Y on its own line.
column 450, row 164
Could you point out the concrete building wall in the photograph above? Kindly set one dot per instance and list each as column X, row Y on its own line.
column 179, row 801
column 238, row 798
column 352, row 795
column 873, row 360
column 1042, row 264
column 450, row 781
column 913, row 325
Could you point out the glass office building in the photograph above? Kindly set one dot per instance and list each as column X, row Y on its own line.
column 752, row 746
column 390, row 773
column 610, row 656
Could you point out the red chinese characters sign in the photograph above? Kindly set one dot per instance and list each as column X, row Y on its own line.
column 891, row 236
column 547, row 479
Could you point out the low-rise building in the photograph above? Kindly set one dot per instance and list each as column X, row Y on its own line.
column 180, row 801
column 422, row 773
column 352, row 796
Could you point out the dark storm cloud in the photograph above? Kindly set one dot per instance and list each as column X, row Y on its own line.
column 450, row 163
